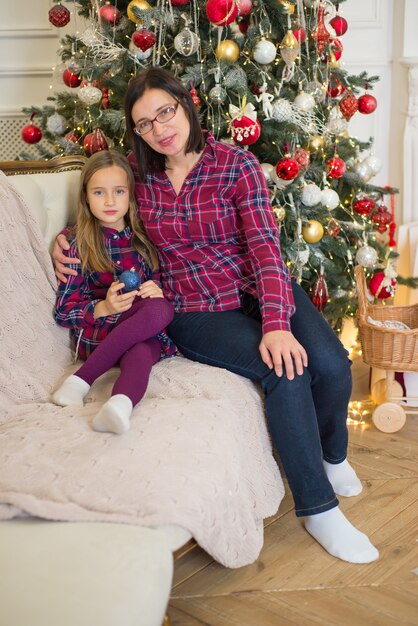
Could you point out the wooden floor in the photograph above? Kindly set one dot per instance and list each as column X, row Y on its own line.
column 294, row 581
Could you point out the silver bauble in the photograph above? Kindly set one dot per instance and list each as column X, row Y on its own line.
column 373, row 163
column 305, row 102
column 90, row 95
column 330, row 198
column 137, row 52
column 311, row 195
column 186, row 42
column 56, row 124
column 363, row 171
column 366, row 256
column 268, row 171
column 264, row 52
column 282, row 110
column 217, row 95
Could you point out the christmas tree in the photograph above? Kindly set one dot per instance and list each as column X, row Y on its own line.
column 266, row 75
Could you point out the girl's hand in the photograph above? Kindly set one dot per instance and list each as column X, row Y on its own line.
column 149, row 289
column 115, row 302
column 61, row 261
column 280, row 347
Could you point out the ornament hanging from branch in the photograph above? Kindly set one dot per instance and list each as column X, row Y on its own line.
column 31, row 133
column 320, row 292
column 320, row 33
column 244, row 127
column 59, row 16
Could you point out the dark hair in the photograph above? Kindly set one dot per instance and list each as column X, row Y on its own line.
column 148, row 160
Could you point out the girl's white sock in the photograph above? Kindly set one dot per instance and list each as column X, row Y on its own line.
column 114, row 415
column 72, row 391
column 335, row 533
column 343, row 478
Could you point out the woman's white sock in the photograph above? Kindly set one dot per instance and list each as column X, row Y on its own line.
column 114, row 415
column 72, row 391
column 343, row 478
column 340, row 538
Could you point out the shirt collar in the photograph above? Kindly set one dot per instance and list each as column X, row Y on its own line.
column 109, row 233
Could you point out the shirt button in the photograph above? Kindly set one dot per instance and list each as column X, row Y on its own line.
column 115, row 236
column 117, row 262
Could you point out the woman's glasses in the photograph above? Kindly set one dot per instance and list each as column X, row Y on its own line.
column 146, row 126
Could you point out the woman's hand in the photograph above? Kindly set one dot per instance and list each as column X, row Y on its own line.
column 115, row 302
column 280, row 347
column 60, row 260
column 149, row 289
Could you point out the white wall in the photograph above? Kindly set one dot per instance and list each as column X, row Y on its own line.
column 373, row 42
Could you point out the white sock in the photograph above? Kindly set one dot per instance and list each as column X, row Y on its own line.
column 114, row 415
column 72, row 391
column 343, row 478
column 335, row 533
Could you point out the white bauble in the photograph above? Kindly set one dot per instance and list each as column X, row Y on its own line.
column 282, row 110
column 363, row 171
column 264, row 52
column 267, row 171
column 56, row 124
column 311, row 195
column 374, row 164
column 186, row 42
column 330, row 198
column 366, row 256
column 89, row 94
column 137, row 52
column 304, row 102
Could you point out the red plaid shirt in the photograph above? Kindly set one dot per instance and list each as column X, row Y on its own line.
column 77, row 298
column 218, row 237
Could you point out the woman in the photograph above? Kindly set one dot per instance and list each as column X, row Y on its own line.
column 205, row 206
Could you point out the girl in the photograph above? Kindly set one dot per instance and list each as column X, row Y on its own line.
column 206, row 207
column 106, row 325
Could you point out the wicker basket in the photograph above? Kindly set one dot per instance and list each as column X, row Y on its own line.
column 387, row 348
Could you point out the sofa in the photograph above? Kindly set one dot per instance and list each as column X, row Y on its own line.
column 89, row 522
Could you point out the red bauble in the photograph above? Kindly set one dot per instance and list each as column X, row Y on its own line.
column 382, row 218
column 302, row 157
column 196, row 100
column 300, row 34
column 287, row 168
column 105, row 99
column 110, row 14
column 367, row 104
column 31, row 133
column 59, row 16
column 376, row 288
column 72, row 136
column 144, row 39
column 179, row 3
column 348, row 105
column 339, row 24
column 244, row 7
column 221, row 12
column 71, row 79
column 320, row 293
column 243, row 24
column 95, row 142
column 245, row 131
column 364, row 206
column 336, row 48
column 335, row 87
column 336, row 167
column 320, row 33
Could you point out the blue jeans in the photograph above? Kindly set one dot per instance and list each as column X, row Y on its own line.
column 307, row 415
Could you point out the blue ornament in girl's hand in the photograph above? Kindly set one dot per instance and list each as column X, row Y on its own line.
column 131, row 280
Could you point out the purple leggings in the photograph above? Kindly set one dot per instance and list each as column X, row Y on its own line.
column 133, row 342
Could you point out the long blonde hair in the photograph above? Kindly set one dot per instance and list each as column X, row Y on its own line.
column 88, row 232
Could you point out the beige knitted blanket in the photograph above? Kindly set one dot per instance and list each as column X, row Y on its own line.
column 197, row 455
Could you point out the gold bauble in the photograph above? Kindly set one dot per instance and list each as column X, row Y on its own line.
column 227, row 50
column 279, row 213
column 288, row 7
column 315, row 143
column 289, row 48
column 312, row 231
column 141, row 5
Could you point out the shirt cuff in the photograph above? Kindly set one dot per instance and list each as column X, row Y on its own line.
column 270, row 325
column 100, row 321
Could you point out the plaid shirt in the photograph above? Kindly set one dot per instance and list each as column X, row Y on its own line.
column 218, row 237
column 77, row 298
